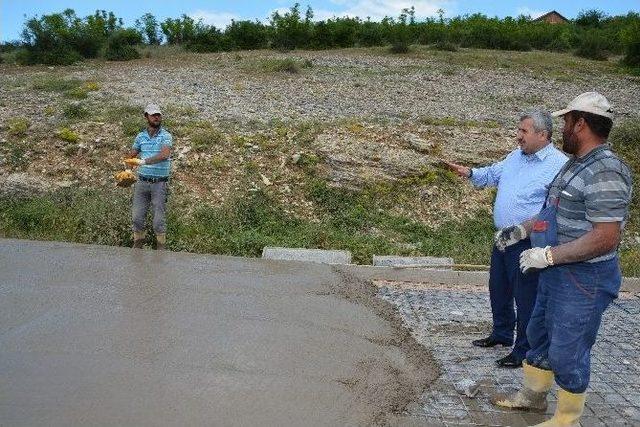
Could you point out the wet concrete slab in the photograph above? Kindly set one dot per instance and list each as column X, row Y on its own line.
column 93, row 335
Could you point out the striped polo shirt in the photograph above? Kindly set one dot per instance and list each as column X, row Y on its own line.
column 150, row 146
column 601, row 192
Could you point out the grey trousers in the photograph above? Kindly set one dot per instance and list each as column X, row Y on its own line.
column 147, row 194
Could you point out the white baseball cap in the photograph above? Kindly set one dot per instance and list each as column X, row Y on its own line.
column 152, row 109
column 589, row 102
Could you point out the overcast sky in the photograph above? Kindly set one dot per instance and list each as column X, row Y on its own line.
column 220, row 13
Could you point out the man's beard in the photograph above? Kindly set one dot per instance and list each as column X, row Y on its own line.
column 569, row 142
column 155, row 125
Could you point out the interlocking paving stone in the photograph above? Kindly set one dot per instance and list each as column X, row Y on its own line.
column 446, row 319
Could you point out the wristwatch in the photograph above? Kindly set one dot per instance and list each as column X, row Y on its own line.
column 548, row 255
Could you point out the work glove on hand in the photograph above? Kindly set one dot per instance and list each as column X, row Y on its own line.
column 134, row 161
column 509, row 236
column 535, row 259
column 125, row 178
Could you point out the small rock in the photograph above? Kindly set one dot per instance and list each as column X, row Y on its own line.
column 266, row 181
column 296, row 158
column 468, row 387
column 418, row 143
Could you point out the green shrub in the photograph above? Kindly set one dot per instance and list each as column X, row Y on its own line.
column 148, row 26
column 560, row 44
column 592, row 46
column 592, row 18
column 209, row 39
column 131, row 126
column 286, row 65
column 399, row 47
column 18, row 126
column 64, row 38
column 68, row 135
column 56, row 84
column 246, row 35
column 219, row 162
column 446, row 46
column 289, row 30
column 91, row 86
column 120, row 45
column 77, row 93
column 17, row 158
column 631, row 43
column 206, row 138
column 180, row 30
column 75, row 110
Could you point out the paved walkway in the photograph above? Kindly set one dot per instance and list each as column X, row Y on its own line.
column 447, row 318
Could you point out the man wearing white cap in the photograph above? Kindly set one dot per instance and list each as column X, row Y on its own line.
column 575, row 239
column 153, row 146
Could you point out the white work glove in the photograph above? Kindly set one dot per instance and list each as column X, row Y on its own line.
column 509, row 236
column 535, row 259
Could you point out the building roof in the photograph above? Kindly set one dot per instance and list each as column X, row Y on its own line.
column 553, row 12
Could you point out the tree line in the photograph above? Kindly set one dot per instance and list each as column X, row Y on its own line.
column 64, row 38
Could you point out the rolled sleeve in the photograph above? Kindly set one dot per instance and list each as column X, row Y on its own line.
column 607, row 197
column 488, row 176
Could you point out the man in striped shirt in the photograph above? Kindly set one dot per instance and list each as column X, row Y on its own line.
column 575, row 240
column 522, row 178
column 153, row 145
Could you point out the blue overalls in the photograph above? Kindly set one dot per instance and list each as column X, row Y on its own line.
column 568, row 310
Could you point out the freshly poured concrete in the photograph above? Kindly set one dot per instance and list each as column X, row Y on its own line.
column 93, row 335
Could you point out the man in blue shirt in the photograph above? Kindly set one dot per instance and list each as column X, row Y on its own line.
column 522, row 178
column 153, row 146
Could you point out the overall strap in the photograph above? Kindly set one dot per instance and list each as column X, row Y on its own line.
column 566, row 184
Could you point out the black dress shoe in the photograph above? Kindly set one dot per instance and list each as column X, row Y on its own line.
column 509, row 361
column 489, row 342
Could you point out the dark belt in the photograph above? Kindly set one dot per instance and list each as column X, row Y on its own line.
column 153, row 179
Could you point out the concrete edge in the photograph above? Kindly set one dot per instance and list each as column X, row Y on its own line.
column 446, row 277
column 365, row 272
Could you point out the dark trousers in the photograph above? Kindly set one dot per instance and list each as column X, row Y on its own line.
column 506, row 284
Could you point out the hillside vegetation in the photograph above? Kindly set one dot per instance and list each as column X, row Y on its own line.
column 325, row 149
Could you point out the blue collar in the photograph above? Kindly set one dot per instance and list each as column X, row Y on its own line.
column 146, row 132
column 541, row 154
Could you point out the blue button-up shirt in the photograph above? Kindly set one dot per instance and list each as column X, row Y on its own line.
column 148, row 147
column 522, row 181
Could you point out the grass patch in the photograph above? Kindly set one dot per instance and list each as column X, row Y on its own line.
column 67, row 134
column 625, row 138
column 205, row 136
column 56, row 84
column 18, row 126
column 541, row 63
column 360, row 221
column 286, row 65
column 451, row 121
column 244, row 225
column 79, row 92
column 71, row 88
column 16, row 158
column 129, row 117
column 75, row 111
column 446, row 46
column 219, row 162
